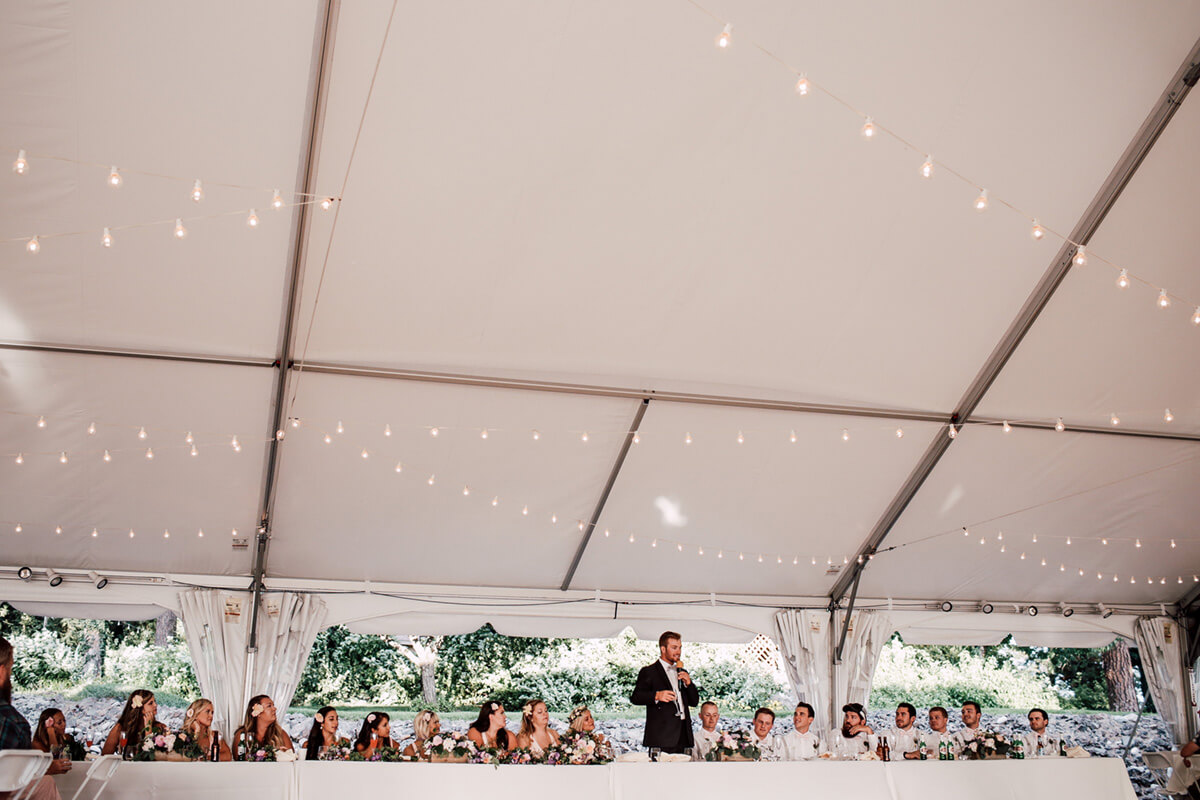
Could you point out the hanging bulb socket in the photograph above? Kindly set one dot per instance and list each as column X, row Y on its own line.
column 21, row 165
column 1080, row 259
column 252, row 219
column 802, row 86
column 197, row 191
column 927, row 167
column 114, row 177
column 180, row 231
column 868, row 129
column 1123, row 279
column 1164, row 301
column 276, row 200
column 34, row 245
column 106, row 238
column 981, row 202
column 725, row 36
column 1037, row 232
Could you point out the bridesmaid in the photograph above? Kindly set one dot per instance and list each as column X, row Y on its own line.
column 139, row 715
column 489, row 731
column 426, row 726
column 536, row 735
column 324, row 733
column 197, row 723
column 376, row 733
column 261, row 727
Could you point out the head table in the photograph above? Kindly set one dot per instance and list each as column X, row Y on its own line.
column 1094, row 778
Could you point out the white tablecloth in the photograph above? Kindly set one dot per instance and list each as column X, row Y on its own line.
column 1093, row 778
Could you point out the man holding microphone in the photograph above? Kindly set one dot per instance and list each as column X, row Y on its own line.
column 666, row 690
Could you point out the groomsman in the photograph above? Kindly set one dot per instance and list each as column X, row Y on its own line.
column 970, row 718
column 666, row 690
column 708, row 734
column 905, row 738
column 1037, row 743
column 768, row 745
column 938, row 719
column 802, row 743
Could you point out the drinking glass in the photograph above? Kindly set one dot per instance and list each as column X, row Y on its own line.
column 654, row 751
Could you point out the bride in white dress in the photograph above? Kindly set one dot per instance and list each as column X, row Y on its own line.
column 536, row 734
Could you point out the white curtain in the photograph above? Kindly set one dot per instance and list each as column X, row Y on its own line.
column 803, row 639
column 1158, row 644
column 869, row 632
column 217, row 626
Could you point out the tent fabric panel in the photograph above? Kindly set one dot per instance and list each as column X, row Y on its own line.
column 1049, row 630
column 123, row 612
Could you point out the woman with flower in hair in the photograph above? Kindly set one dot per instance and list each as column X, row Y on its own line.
column 426, row 726
column 197, row 726
column 139, row 716
column 51, row 734
column 582, row 721
column 323, row 733
column 375, row 734
column 536, row 735
column 488, row 730
column 261, row 732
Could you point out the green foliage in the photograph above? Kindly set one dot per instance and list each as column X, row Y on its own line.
column 347, row 667
column 158, row 668
column 45, row 661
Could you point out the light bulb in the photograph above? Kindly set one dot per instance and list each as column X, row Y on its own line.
column 18, row 528
column 632, row 539
column 1114, row 419
column 792, row 437
column 197, row 191
column 1068, row 541
column 1037, row 232
column 637, row 438
column 814, row 561
column 584, row 437
column 927, row 167
column 537, row 435
column 982, row 540
column 868, row 129
column 740, row 438
column 364, row 453
column 107, row 456
column 1172, row 544
column 149, row 454
column 1104, row 541
column 235, row 444
column 180, row 231
column 166, row 534
column 687, row 438
column 1163, row 300
column 466, row 491
column 1035, row 538
column 431, row 479
column 1080, row 259
column 328, row 439
column 1006, row 427
column 495, row 501
column 1123, row 280
column 966, row 531
column 1043, row 562
column 340, row 427
column 62, row 457
column 1022, row 556
column 20, row 166
column 279, row 434
column 1137, row 543
column 779, row 559
column 106, row 238
column 194, row 451
column 726, row 35
column 387, row 430
column 483, row 434
column 1196, row 316
column 802, row 86
column 142, row 433
column 58, row 529
column 399, row 467
column 554, row 519
column 91, row 429
column 1059, row 426
column 1003, row 548
column 899, row 433
column 41, row 423
column 1000, row 536
column 33, row 246
column 295, row 422
column 200, row 533
column 654, row 543
column 114, row 177
column 981, row 202
column 95, row 533
column 326, row 203
column 1062, row 568
column 525, row 511
column 1081, row 573
column 276, row 200
column 741, row 556
column 953, row 432
column 252, row 219
column 189, row 438
column 1168, row 416
column 845, row 435
column 434, row 432
column 679, row 547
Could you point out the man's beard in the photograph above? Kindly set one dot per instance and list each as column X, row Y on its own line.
column 846, row 731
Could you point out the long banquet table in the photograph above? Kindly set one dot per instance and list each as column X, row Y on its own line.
column 1094, row 778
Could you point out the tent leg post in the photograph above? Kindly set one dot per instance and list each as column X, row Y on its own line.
column 1132, row 733
column 1186, row 651
column 837, row 658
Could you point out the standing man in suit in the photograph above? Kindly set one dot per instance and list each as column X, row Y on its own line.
column 666, row 690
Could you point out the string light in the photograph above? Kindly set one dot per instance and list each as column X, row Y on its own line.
column 387, row 430
column 1104, row 541
column 91, row 429
column 1196, row 316
column 131, row 533
column 364, row 453
column 637, row 438
column 466, row 491
column 1068, row 541
column 195, row 452
column 981, row 202
column 953, row 432
column 95, row 533
column 495, row 501
column 899, row 433
column 18, row 528
column 1062, row 568
column 433, row 432
column 235, row 444
column 802, row 86
column 277, row 200
column 328, row 439
column 537, row 436
column 792, row 437
column 326, row 203
column 1114, row 419
column 189, row 438
column 431, row 480
column 584, row 437
column 1172, row 544
column 197, row 191
column 687, row 438
column 725, row 36
column 58, row 529
column 166, row 534
column 62, row 457
column 252, row 219
column 1038, row 232
column 1059, row 426
column 149, row 454
column 1137, row 543
column 180, row 231
column 1035, row 538
column 399, row 467
column 927, row 167
column 41, row 423
column 740, row 438
column 279, row 434
column 340, row 427
column 868, row 129
column 1123, row 279
column 554, row 519
column 21, row 165
column 1080, row 259
column 33, row 246
column 107, row 456
column 1022, row 556
column 654, row 543
column 1163, row 300
column 106, row 238
column 200, row 533
column 845, row 435
column 114, row 177
column 525, row 511
column 1006, row 427
column 1168, row 416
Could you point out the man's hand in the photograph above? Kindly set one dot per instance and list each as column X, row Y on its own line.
column 915, row 754
column 684, row 678
column 861, row 729
column 59, row 766
column 665, row 696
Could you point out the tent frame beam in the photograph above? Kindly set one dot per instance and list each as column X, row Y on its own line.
column 321, row 65
column 156, row 355
column 603, row 500
column 1120, row 176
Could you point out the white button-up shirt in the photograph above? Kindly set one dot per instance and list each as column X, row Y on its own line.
column 933, row 741
column 768, row 747
column 965, row 735
column 704, row 742
column 673, row 677
column 797, row 746
column 1030, row 741
column 842, row 747
column 904, row 741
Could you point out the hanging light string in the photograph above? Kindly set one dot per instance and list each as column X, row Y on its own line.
column 104, row 234
column 871, row 130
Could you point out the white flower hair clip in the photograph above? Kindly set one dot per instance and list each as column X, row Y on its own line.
column 495, row 707
column 371, row 718
column 256, row 709
column 527, row 709
column 136, row 701
column 319, row 717
column 191, row 712
column 577, row 712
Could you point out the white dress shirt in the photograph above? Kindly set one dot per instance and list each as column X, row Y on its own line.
column 673, row 677
column 797, row 746
column 933, row 741
column 704, row 742
column 768, row 747
column 965, row 735
column 1029, row 745
column 904, row 741
column 840, row 746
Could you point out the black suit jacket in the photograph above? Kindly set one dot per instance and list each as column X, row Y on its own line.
column 663, row 728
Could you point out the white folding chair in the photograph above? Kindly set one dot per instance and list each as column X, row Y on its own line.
column 1160, row 765
column 102, row 770
column 22, row 769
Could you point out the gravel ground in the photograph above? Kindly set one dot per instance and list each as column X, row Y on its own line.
column 1099, row 734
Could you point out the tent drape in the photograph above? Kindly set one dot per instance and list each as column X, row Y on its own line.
column 803, row 640
column 1157, row 640
column 869, row 632
column 217, row 625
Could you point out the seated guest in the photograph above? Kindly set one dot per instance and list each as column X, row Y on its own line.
column 323, row 733
column 802, row 743
column 708, row 734
column 197, row 723
column 851, row 739
column 761, row 737
column 426, row 726
column 1038, row 743
column 536, row 735
column 51, row 733
column 970, row 718
column 260, row 727
column 14, row 730
column 938, row 719
column 582, row 721
column 488, row 731
column 375, row 733
column 904, row 739
column 139, row 716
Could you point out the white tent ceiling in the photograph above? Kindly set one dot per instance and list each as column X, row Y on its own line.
column 595, row 194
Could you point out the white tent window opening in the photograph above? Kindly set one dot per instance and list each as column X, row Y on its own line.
column 414, row 356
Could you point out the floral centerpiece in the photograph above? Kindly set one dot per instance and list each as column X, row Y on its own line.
column 518, row 755
column 577, row 747
column 336, row 753
column 157, row 746
column 734, row 746
column 188, row 747
column 986, row 744
column 451, row 748
column 486, row 755
column 382, row 753
column 254, row 751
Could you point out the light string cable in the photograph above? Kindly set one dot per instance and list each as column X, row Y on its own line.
column 338, row 210
column 1038, row 229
